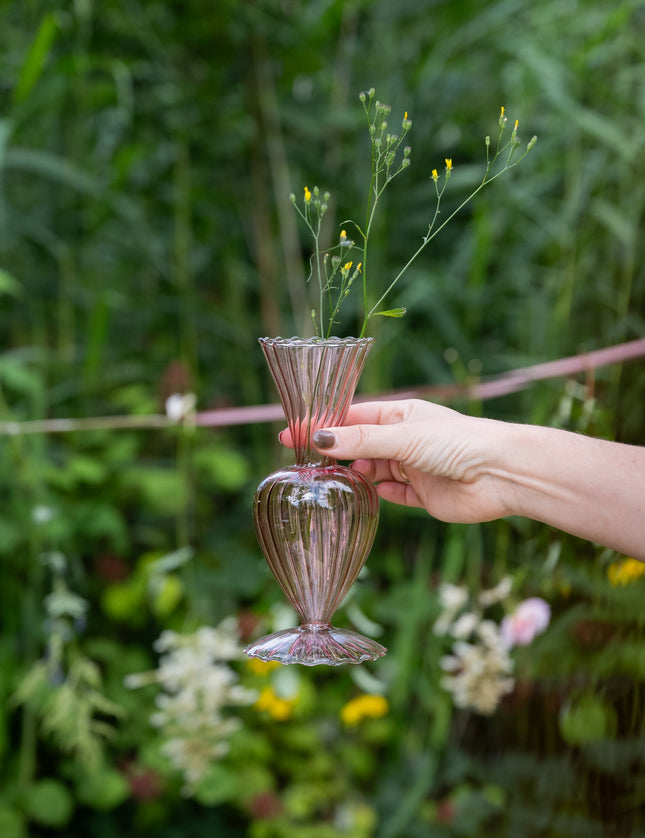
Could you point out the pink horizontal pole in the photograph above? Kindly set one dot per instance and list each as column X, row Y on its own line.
column 493, row 387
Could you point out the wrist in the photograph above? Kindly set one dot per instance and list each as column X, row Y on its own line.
column 512, row 465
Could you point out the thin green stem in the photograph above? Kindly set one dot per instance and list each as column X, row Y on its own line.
column 432, row 233
column 384, row 150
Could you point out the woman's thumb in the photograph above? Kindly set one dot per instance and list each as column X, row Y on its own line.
column 358, row 441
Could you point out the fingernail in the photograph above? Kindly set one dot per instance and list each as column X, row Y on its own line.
column 324, row 439
column 280, row 437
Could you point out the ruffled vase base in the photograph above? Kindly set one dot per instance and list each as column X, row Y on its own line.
column 314, row 644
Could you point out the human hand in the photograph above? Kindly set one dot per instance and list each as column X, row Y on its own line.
column 444, row 457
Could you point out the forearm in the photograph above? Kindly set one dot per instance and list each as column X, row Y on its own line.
column 588, row 487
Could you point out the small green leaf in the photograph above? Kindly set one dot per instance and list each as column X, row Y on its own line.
column 587, row 719
column 49, row 803
column 9, row 284
column 104, row 789
column 218, row 785
column 12, row 823
column 36, row 59
column 392, row 312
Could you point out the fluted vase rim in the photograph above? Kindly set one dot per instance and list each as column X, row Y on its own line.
column 315, row 341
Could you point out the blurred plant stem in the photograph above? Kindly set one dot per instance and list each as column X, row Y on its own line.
column 291, row 263
column 183, row 527
column 183, row 256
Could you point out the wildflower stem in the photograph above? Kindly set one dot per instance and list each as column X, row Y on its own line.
column 335, row 275
column 434, row 232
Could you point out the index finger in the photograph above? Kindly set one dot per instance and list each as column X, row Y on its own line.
column 378, row 413
column 368, row 413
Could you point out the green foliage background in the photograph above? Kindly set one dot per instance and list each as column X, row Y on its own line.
column 147, row 152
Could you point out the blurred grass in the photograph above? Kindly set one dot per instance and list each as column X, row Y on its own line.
column 147, row 151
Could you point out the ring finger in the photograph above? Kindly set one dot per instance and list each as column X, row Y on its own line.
column 381, row 471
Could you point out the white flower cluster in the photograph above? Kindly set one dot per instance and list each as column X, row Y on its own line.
column 181, row 407
column 479, row 670
column 198, row 686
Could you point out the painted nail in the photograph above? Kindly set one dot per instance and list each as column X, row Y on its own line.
column 280, row 437
column 324, row 439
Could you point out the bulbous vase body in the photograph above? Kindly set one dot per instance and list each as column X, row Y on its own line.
column 315, row 520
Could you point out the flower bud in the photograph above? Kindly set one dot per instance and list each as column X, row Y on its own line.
column 532, row 142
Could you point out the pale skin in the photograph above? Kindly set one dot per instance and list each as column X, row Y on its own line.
column 468, row 469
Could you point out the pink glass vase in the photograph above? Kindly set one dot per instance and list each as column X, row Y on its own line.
column 315, row 520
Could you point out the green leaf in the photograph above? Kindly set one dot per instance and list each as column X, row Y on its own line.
column 392, row 312
column 125, row 601
column 86, row 470
column 163, row 490
column 218, row 785
column 587, row 719
column 104, row 789
column 53, row 167
column 36, row 57
column 12, row 824
column 9, row 284
column 15, row 375
column 49, row 802
column 166, row 595
column 225, row 467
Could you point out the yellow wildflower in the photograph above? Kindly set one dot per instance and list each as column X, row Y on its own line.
column 364, row 707
column 449, row 164
column 405, row 115
column 278, row 708
column 307, row 195
column 358, row 267
column 435, row 175
column 259, row 667
column 502, row 111
column 625, row 571
column 347, row 266
column 343, row 235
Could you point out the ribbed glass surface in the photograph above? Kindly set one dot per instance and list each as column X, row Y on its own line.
column 315, row 520
column 316, row 381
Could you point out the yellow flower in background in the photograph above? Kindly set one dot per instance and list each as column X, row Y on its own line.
column 435, row 175
column 258, row 667
column 364, row 707
column 625, row 571
column 278, row 708
column 449, row 164
column 307, row 195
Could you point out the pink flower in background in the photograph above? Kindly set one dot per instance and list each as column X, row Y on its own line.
column 531, row 617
